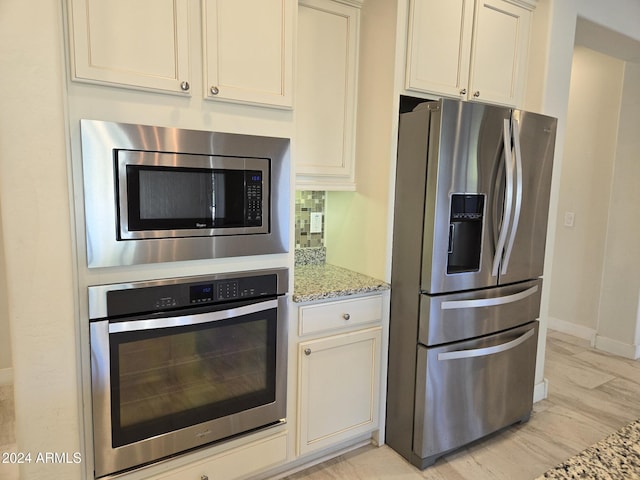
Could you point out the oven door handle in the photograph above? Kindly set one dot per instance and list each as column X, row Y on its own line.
column 186, row 320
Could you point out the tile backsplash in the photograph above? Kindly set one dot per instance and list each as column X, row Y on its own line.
column 308, row 202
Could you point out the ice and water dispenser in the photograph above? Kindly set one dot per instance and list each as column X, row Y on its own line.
column 465, row 233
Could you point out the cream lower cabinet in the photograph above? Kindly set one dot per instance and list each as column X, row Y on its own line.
column 339, row 377
column 473, row 50
column 326, row 90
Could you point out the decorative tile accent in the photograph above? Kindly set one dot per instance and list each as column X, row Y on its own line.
column 308, row 202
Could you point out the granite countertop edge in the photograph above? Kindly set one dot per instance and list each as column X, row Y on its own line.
column 326, row 281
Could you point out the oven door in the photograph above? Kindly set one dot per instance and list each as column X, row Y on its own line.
column 165, row 384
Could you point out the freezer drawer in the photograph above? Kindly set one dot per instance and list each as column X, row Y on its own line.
column 470, row 389
column 458, row 316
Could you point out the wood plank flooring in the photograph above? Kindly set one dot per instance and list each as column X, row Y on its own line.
column 591, row 394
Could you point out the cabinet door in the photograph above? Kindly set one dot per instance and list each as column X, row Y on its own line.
column 248, row 51
column 142, row 44
column 326, row 93
column 439, row 46
column 338, row 388
column 500, row 50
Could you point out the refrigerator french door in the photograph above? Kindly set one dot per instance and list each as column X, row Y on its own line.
column 487, row 195
column 470, row 222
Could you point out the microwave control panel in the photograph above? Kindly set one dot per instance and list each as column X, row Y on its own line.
column 254, row 198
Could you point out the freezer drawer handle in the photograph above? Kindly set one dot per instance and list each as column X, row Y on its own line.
column 488, row 302
column 484, row 352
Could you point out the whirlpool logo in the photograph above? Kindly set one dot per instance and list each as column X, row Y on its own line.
column 201, row 225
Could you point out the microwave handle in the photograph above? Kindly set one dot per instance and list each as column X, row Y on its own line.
column 186, row 320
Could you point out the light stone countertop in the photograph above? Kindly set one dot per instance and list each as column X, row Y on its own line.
column 616, row 457
column 323, row 281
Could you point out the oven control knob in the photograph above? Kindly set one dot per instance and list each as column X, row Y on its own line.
column 307, row 351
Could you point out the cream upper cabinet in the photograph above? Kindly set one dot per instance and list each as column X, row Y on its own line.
column 142, row 44
column 470, row 50
column 248, row 51
column 326, row 90
column 439, row 48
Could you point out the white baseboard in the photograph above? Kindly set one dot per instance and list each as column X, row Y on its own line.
column 617, row 347
column 574, row 329
column 541, row 390
column 605, row 344
column 6, row 376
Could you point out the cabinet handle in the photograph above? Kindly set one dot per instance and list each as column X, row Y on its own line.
column 463, row 91
column 307, row 351
column 204, row 477
column 214, row 90
column 185, row 86
column 476, row 93
column 346, row 316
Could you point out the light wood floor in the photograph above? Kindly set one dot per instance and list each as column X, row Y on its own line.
column 591, row 394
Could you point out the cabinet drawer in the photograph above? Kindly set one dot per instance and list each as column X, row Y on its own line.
column 341, row 314
column 237, row 463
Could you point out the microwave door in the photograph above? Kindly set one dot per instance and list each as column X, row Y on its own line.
column 465, row 151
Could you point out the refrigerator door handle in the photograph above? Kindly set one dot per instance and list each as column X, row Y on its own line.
column 484, row 352
column 508, row 198
column 518, row 200
column 488, row 302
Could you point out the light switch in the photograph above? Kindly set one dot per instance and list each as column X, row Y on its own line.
column 569, row 219
column 316, row 222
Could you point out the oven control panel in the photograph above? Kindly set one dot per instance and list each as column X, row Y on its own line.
column 224, row 290
column 131, row 301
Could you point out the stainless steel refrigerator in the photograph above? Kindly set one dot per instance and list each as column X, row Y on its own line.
column 470, row 221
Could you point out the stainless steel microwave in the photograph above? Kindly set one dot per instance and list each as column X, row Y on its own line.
column 158, row 194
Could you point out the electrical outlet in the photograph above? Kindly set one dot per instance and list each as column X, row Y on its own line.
column 569, row 219
column 316, row 222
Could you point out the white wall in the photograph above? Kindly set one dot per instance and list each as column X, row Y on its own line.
column 357, row 223
column 37, row 235
column 585, row 186
column 5, row 343
column 617, row 326
column 620, row 17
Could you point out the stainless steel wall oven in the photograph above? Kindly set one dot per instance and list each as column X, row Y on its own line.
column 156, row 194
column 179, row 363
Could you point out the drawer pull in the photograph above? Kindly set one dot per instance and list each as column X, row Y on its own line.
column 346, row 316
